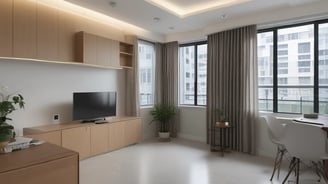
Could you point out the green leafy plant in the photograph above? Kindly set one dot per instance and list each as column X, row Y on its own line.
column 162, row 114
column 8, row 104
column 220, row 115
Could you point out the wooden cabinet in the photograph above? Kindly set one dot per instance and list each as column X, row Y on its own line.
column 126, row 55
column 132, row 131
column 96, row 50
column 77, row 139
column 6, row 8
column 116, row 138
column 90, row 139
column 66, row 31
column 46, row 163
column 99, row 139
column 53, row 137
column 47, row 29
column 24, row 29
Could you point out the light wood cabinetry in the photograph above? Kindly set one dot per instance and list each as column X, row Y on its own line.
column 6, row 8
column 132, row 131
column 47, row 29
column 99, row 139
column 96, row 50
column 46, row 163
column 77, row 139
column 126, row 55
column 53, row 137
column 116, row 138
column 88, row 138
column 24, row 32
column 66, row 31
column 33, row 30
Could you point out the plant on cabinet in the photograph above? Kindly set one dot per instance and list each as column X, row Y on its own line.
column 162, row 114
column 8, row 104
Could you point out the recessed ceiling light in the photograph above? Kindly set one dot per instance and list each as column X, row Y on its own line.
column 223, row 16
column 183, row 10
column 156, row 19
column 112, row 4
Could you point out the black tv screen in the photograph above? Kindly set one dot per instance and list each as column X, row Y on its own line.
column 92, row 106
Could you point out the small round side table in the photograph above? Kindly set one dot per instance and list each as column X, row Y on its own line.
column 223, row 127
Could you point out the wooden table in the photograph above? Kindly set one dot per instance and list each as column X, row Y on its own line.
column 42, row 164
column 223, row 127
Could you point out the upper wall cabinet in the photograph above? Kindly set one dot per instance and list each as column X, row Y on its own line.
column 6, row 7
column 33, row 30
column 126, row 55
column 47, row 29
column 24, row 33
column 96, row 50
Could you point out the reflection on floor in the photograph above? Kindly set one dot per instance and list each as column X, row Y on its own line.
column 179, row 162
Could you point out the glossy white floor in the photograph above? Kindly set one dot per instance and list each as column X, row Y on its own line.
column 178, row 162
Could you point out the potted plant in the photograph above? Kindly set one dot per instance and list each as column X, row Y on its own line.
column 162, row 114
column 8, row 104
column 221, row 119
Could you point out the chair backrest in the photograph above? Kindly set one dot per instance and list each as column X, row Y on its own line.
column 276, row 130
column 305, row 141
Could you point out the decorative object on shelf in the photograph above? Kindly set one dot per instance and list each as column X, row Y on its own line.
column 8, row 104
column 162, row 114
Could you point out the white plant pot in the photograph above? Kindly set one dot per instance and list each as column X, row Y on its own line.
column 164, row 135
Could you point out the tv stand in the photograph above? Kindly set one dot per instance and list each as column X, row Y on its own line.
column 97, row 121
column 101, row 121
column 90, row 139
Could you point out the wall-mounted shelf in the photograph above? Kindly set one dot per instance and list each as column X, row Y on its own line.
column 126, row 55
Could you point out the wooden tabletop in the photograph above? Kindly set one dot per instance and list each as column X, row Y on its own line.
column 32, row 156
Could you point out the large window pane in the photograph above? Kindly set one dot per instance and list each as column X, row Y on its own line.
column 296, row 69
column 146, row 58
column 323, row 68
column 201, row 74
column 187, row 75
column 265, row 70
column 193, row 71
column 295, row 100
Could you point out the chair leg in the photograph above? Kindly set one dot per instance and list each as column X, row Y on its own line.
column 275, row 163
column 298, row 171
column 292, row 165
column 282, row 153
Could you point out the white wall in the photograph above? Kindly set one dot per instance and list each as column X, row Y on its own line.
column 47, row 89
column 148, row 130
column 192, row 123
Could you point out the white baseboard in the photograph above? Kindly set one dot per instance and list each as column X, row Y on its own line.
column 192, row 137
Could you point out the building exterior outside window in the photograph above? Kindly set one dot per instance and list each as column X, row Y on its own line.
column 293, row 66
column 146, row 59
column 193, row 73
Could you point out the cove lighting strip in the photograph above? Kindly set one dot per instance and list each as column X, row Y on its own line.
column 93, row 15
column 185, row 11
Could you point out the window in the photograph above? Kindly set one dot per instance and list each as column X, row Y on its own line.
column 304, row 47
column 146, row 58
column 193, row 73
column 298, row 85
column 323, row 72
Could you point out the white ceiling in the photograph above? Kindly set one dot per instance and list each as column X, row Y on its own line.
column 142, row 13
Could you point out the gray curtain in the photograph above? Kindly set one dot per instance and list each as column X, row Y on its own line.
column 132, row 85
column 166, row 91
column 232, row 86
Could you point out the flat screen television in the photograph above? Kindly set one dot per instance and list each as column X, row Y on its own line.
column 93, row 106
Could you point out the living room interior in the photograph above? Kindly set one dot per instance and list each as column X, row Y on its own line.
column 42, row 59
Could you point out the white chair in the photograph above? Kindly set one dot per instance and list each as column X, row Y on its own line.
column 305, row 142
column 276, row 133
